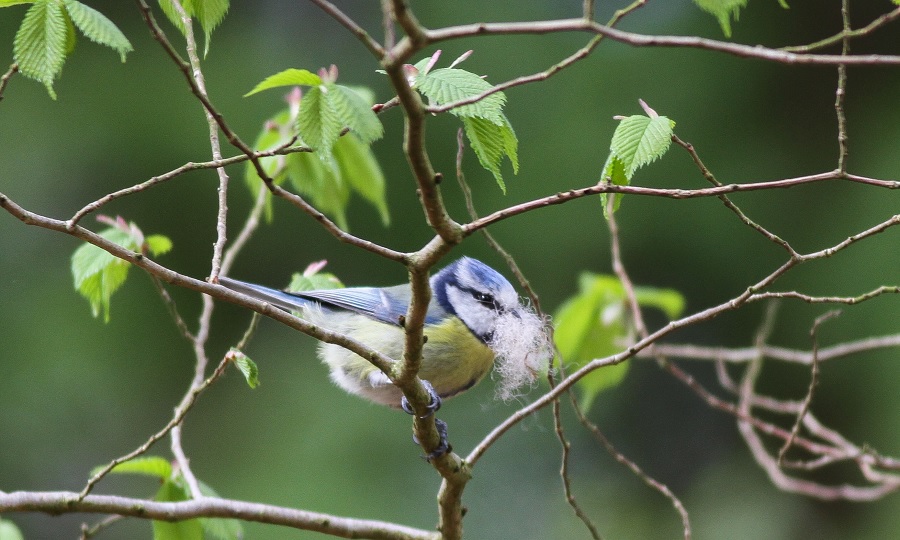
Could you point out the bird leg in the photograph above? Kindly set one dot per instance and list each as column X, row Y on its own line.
column 443, row 445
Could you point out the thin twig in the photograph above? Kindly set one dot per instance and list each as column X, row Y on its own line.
column 840, row 93
column 715, row 191
column 56, row 502
column 214, row 164
column 813, row 381
column 4, row 80
column 644, row 40
column 352, row 26
column 180, row 411
column 847, row 33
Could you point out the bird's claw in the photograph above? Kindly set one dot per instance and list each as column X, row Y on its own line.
column 443, row 446
column 433, row 406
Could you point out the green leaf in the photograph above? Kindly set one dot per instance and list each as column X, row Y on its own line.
column 595, row 324
column 98, row 274
column 447, row 85
column 221, row 528
column 637, row 141
column 154, row 466
column 353, row 111
column 40, row 43
column 172, row 14
column 613, row 172
column 97, row 27
column 8, row 529
column 724, row 10
column 360, row 169
column 640, row 140
column 7, row 3
column 322, row 183
column 210, row 13
column 158, row 244
column 318, row 123
column 315, row 282
column 275, row 133
column 288, row 77
column 490, row 142
column 189, row 529
column 246, row 366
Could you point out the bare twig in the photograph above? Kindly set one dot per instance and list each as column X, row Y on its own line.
column 4, row 79
column 847, row 34
column 840, row 93
column 746, row 354
column 55, row 502
column 565, row 196
column 214, row 164
column 813, row 381
column 643, row 40
column 352, row 26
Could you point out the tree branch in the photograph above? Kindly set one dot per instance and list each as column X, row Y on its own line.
column 56, row 502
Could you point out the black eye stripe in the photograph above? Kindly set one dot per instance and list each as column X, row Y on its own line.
column 485, row 299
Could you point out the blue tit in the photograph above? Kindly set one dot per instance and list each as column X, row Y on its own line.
column 470, row 302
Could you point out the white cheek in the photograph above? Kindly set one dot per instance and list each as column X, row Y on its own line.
column 477, row 317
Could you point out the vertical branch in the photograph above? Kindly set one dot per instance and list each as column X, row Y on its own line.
column 813, row 382
column 840, row 93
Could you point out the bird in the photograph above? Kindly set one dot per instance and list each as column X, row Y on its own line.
column 470, row 303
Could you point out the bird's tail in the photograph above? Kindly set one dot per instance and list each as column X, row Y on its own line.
column 281, row 299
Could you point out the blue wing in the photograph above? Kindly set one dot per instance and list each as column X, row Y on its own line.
column 387, row 304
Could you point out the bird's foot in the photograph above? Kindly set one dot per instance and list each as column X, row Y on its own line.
column 443, row 446
column 433, row 406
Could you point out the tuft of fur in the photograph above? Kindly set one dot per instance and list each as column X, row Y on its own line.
column 523, row 350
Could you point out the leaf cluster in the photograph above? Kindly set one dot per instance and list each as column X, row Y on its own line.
column 340, row 165
column 98, row 274
column 487, row 128
column 47, row 36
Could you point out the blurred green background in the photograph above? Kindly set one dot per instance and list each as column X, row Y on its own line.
column 75, row 392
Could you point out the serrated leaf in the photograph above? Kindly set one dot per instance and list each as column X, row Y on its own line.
column 360, row 169
column 723, row 10
column 640, row 140
column 447, row 85
column 7, row 3
column 189, row 529
column 154, row 466
column 96, row 27
column 490, row 142
column 288, row 77
column 172, row 14
column 40, row 43
column 614, row 173
column 209, row 13
column 318, row 122
column 8, row 529
column 246, row 366
column 352, row 111
column 98, row 274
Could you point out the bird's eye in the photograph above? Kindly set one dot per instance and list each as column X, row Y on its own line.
column 484, row 299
